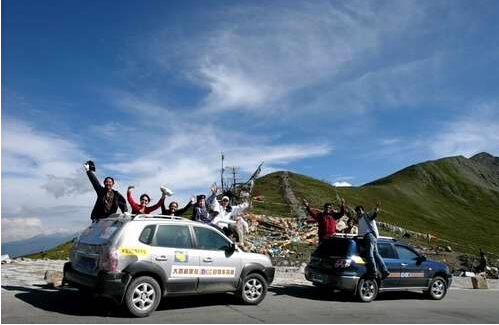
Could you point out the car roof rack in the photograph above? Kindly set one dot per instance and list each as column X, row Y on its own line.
column 157, row 216
column 387, row 238
column 342, row 235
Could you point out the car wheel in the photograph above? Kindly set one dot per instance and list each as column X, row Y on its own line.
column 142, row 296
column 254, row 289
column 437, row 288
column 367, row 290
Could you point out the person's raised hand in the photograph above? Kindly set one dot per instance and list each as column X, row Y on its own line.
column 131, row 187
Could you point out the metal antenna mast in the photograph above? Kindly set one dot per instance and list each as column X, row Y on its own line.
column 222, row 173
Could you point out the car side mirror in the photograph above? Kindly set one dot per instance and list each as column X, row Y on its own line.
column 420, row 259
column 231, row 247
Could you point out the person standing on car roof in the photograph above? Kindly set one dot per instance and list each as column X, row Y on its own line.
column 326, row 219
column 108, row 200
column 173, row 209
column 369, row 230
column 144, row 201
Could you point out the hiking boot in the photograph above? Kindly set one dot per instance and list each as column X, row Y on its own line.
column 384, row 275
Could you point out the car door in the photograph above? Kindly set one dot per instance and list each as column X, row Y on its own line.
column 220, row 267
column 172, row 249
column 412, row 273
column 389, row 255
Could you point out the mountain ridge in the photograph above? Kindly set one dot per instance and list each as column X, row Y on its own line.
column 453, row 198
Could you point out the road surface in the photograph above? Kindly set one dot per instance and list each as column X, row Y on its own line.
column 294, row 303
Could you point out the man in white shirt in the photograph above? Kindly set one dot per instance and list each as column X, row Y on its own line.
column 228, row 217
column 369, row 230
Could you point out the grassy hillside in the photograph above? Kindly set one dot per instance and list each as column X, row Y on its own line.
column 454, row 198
column 60, row 252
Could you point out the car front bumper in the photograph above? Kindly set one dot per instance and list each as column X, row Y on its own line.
column 269, row 274
column 346, row 282
column 107, row 284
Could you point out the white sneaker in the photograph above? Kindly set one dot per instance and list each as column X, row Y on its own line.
column 166, row 191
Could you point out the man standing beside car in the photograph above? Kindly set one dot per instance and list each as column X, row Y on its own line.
column 369, row 230
column 108, row 200
column 326, row 219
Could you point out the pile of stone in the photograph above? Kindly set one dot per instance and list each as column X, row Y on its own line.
column 273, row 235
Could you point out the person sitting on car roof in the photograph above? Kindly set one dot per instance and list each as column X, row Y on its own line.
column 326, row 219
column 108, row 200
column 173, row 209
column 228, row 218
column 369, row 230
column 144, row 201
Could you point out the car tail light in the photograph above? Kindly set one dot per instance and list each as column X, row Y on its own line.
column 342, row 263
column 109, row 260
column 357, row 259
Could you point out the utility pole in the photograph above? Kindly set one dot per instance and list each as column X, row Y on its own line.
column 222, row 173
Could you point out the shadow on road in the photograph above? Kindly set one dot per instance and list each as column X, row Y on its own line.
column 70, row 301
column 326, row 294
column 66, row 301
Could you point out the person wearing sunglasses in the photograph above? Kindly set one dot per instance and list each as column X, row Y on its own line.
column 142, row 208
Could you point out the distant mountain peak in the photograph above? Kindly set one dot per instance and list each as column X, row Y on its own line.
column 487, row 159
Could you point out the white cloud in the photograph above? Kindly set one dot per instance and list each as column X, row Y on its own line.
column 257, row 55
column 477, row 131
column 23, row 228
column 342, row 184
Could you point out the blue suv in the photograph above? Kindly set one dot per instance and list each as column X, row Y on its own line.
column 339, row 262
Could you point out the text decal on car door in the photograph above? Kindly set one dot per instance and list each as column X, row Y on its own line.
column 181, row 271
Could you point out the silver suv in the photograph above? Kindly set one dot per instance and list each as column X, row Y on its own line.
column 136, row 260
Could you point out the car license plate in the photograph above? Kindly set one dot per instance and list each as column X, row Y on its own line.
column 318, row 278
column 86, row 264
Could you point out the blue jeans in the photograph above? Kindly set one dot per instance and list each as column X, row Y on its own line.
column 374, row 260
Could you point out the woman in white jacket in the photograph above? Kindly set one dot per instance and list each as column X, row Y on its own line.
column 228, row 217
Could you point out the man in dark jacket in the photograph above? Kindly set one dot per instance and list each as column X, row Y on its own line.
column 108, row 200
column 173, row 209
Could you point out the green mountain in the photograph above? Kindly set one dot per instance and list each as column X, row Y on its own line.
column 454, row 199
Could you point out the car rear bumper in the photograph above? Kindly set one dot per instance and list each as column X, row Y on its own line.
column 344, row 282
column 108, row 284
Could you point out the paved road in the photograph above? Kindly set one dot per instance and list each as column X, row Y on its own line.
column 294, row 303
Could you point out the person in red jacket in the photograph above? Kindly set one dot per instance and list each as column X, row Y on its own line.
column 144, row 201
column 326, row 219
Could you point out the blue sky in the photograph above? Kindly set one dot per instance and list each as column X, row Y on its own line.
column 153, row 91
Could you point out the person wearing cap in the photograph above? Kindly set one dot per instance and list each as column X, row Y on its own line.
column 200, row 212
column 228, row 218
column 173, row 209
column 326, row 219
column 144, row 201
column 108, row 200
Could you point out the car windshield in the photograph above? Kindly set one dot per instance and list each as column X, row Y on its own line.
column 100, row 232
column 335, row 247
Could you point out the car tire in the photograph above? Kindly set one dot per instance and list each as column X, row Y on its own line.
column 367, row 290
column 437, row 289
column 254, row 289
column 142, row 296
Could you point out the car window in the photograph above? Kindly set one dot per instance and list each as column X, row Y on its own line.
column 146, row 235
column 406, row 254
column 176, row 236
column 335, row 247
column 386, row 250
column 209, row 239
column 100, row 232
